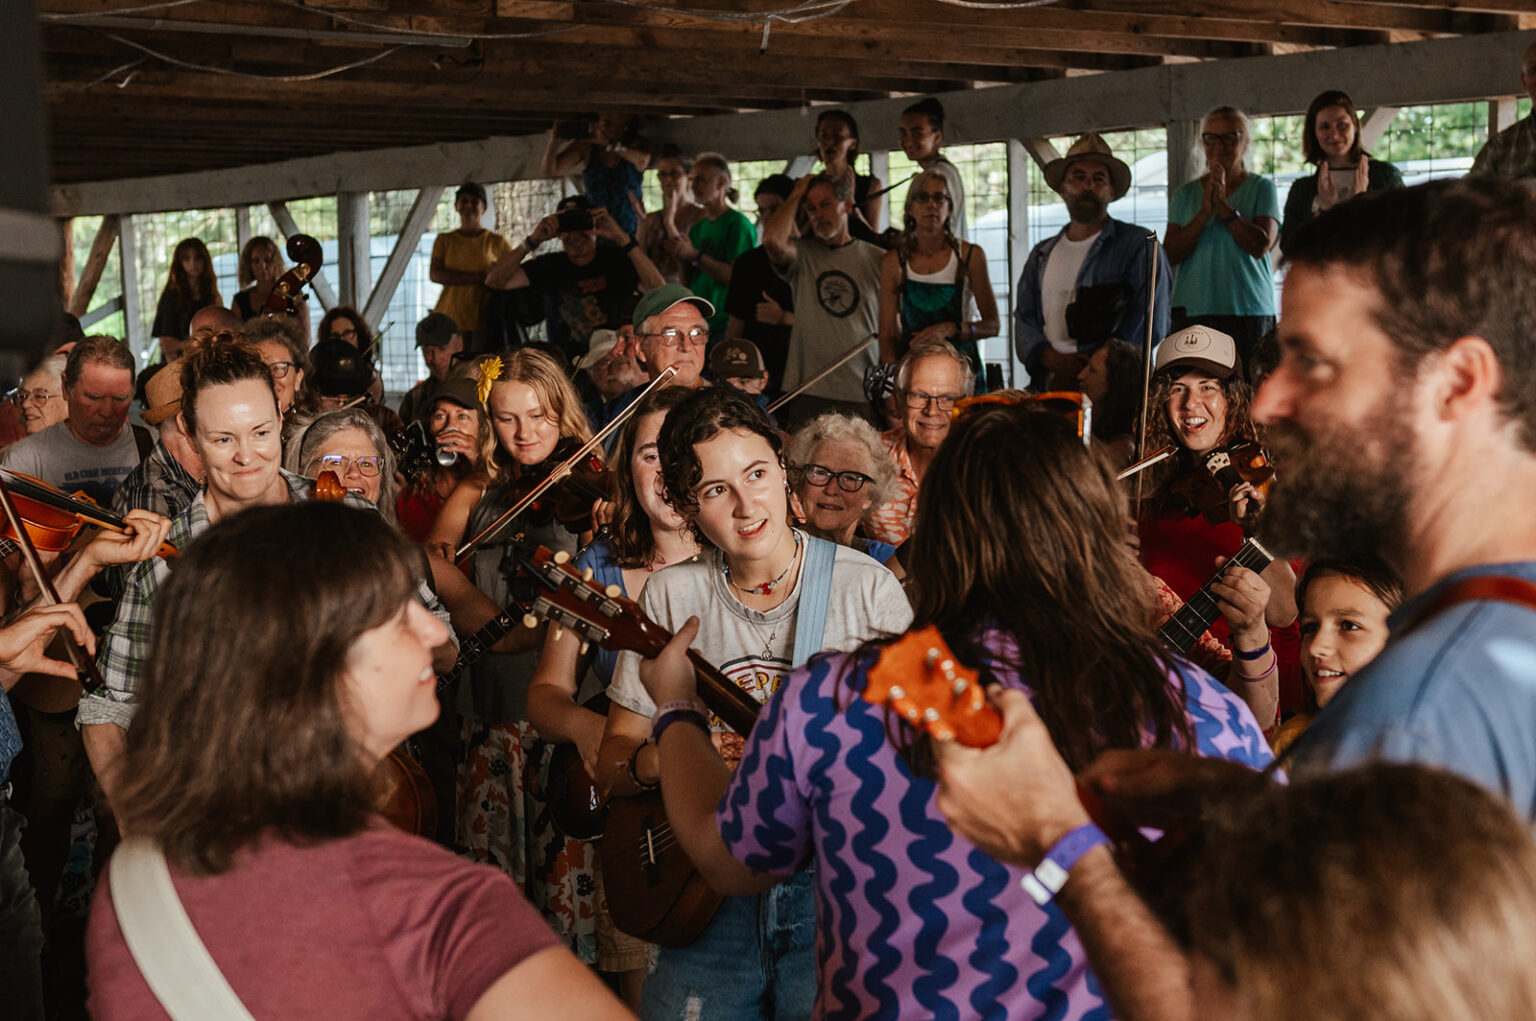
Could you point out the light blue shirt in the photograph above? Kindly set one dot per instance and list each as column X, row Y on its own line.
column 1457, row 691
column 1218, row 278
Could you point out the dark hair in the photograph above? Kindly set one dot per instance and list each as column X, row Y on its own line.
column 1017, row 523
column 1449, row 259
column 1394, row 892
column 347, row 312
column 241, row 725
column 185, row 291
column 1265, row 357
column 672, row 151
column 930, row 108
column 707, row 412
column 775, row 184
column 245, row 274
column 1240, row 426
column 1115, row 415
column 634, row 544
column 853, row 129
column 217, row 362
column 100, row 349
column 1369, row 571
column 1310, row 149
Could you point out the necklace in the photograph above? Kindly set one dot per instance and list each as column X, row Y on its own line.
column 767, row 587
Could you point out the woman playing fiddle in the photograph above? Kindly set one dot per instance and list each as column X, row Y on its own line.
column 533, row 409
column 1200, row 404
column 261, row 266
column 290, row 655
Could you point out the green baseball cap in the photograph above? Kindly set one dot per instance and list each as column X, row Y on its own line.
column 655, row 302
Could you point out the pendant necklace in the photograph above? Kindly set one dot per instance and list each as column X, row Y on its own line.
column 766, row 588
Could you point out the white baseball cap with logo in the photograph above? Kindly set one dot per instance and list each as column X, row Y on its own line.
column 1199, row 347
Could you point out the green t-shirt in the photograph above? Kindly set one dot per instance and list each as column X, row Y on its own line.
column 1219, row 278
column 724, row 238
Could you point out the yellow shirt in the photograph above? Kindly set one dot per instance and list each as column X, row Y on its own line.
column 465, row 303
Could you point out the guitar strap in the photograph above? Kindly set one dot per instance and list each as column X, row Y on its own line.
column 1499, row 588
column 815, row 596
column 164, row 944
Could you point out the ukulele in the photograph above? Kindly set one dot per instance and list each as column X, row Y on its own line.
column 1181, row 631
column 655, row 892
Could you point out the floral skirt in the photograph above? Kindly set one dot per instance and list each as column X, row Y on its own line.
column 503, row 821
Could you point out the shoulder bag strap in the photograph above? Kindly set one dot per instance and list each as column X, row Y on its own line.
column 180, row 971
column 143, row 440
column 1481, row 588
column 811, row 616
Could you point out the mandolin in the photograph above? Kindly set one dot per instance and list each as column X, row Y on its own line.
column 1181, row 631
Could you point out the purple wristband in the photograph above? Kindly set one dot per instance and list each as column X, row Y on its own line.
column 1050, row 875
column 670, row 712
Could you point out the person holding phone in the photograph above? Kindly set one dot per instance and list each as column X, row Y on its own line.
column 583, row 286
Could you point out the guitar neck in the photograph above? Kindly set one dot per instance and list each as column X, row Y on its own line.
column 1185, row 627
column 477, row 645
column 725, row 699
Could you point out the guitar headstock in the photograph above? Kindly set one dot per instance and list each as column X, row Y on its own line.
column 573, row 599
column 918, row 676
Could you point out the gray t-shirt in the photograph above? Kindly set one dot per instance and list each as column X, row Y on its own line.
column 56, row 457
column 837, row 299
column 754, row 648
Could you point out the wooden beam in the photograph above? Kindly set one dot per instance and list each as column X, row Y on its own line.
column 1375, row 124
column 1041, row 150
column 354, row 271
column 90, row 275
column 416, row 223
column 1181, row 138
column 318, row 282
column 100, row 312
column 29, row 237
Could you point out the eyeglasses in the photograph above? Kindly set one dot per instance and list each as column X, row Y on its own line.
column 1068, row 403
column 280, row 370
column 819, row 475
column 346, row 333
column 918, row 401
column 673, row 337
column 930, row 198
column 367, row 466
column 20, row 397
column 1222, row 138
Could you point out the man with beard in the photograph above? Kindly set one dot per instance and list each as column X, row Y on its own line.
column 835, row 280
column 1089, row 282
column 1405, row 406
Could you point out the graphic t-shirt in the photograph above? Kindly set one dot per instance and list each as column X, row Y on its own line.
column 837, row 294
column 580, row 299
column 56, row 457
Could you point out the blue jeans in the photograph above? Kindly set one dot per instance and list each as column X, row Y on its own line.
column 757, row 960
column 21, row 928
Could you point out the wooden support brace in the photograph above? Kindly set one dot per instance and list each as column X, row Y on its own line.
column 416, row 222
column 90, row 275
column 1041, row 150
column 1375, row 124
column 132, row 318
column 285, row 224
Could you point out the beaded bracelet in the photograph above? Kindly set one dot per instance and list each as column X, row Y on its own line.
column 632, row 770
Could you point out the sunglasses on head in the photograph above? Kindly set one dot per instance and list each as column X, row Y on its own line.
column 1070, row 404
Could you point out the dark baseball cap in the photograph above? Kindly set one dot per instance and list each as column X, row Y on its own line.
column 473, row 190
column 736, row 359
column 460, row 390
column 340, row 369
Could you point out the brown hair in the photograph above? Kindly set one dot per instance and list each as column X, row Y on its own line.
column 1018, row 523
column 545, row 375
column 1310, row 149
column 1390, row 892
column 100, row 349
column 216, row 362
column 1449, row 259
column 634, row 544
column 706, row 413
column 347, row 312
column 204, row 289
column 241, row 725
column 1239, row 425
column 244, row 273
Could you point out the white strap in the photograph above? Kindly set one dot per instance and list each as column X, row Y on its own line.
column 180, row 971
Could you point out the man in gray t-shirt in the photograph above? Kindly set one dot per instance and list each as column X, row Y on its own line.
column 93, row 448
column 836, row 283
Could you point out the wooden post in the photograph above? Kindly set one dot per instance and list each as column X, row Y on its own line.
column 354, row 273
column 880, row 167
column 1019, row 158
column 90, row 276
column 1183, row 136
column 133, row 323
column 242, row 227
column 1375, row 124
column 1501, row 114
column 416, row 223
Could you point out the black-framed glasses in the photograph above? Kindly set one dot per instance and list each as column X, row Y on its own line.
column 367, row 466
column 20, row 397
column 917, row 400
column 1221, row 137
column 673, row 337
column 346, row 333
column 280, row 370
column 819, row 475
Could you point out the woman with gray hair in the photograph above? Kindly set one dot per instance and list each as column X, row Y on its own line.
column 351, row 444
column 841, row 473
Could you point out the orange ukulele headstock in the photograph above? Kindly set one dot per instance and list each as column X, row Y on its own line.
column 918, row 676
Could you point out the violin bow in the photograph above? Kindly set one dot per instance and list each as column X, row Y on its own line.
column 85, row 666
column 493, row 531
column 831, row 367
column 1146, row 356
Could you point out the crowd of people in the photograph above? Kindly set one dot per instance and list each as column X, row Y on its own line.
column 554, row 690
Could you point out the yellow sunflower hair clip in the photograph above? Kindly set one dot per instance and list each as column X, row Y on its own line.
column 489, row 373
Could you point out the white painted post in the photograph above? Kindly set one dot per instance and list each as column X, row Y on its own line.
column 286, row 224
column 416, row 223
column 242, row 227
column 1183, row 136
column 354, row 273
column 133, row 324
column 1501, row 114
column 880, row 167
column 1375, row 124
column 1019, row 159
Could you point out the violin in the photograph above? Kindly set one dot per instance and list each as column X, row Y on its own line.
column 53, row 518
column 1206, row 481
column 289, row 289
column 570, row 498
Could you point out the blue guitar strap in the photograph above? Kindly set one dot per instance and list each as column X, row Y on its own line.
column 815, row 596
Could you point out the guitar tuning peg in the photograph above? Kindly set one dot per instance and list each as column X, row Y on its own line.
column 613, row 592
column 931, row 657
column 958, row 686
column 586, row 574
column 530, row 621
column 558, row 631
column 584, row 647
column 561, row 556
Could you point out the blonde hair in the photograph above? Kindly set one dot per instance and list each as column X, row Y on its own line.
column 558, row 397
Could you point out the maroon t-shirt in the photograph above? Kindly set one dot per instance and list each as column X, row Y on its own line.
column 378, row 926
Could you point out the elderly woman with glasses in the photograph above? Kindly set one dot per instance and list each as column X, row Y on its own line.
column 40, row 397
column 1220, row 230
column 841, row 473
column 351, row 444
column 282, row 347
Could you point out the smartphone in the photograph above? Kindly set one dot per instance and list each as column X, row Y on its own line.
column 573, row 129
column 571, row 220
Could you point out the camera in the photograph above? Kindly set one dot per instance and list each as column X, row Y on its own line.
column 573, row 220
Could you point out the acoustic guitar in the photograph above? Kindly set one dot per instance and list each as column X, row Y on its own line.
column 1182, row 630
column 654, row 891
